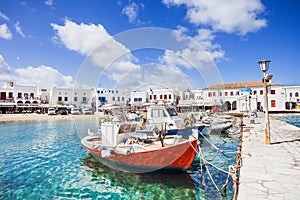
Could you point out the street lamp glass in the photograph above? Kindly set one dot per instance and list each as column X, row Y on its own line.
column 264, row 65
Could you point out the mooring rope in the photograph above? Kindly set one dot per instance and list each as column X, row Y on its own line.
column 232, row 172
column 211, row 178
column 217, row 148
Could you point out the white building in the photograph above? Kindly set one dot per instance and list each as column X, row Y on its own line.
column 166, row 96
column 246, row 96
column 138, row 98
column 112, row 96
column 15, row 97
column 79, row 97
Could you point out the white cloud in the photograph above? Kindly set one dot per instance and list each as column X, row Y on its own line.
column 18, row 29
column 231, row 16
column 131, row 11
column 154, row 75
column 5, row 32
column 39, row 76
column 200, row 49
column 49, row 2
column 6, row 72
column 3, row 16
column 99, row 47
column 42, row 76
column 82, row 38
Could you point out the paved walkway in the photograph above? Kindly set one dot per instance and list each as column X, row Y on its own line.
column 270, row 171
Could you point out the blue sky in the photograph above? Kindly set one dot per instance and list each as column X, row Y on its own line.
column 56, row 42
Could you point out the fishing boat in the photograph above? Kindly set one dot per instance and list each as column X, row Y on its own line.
column 166, row 117
column 124, row 146
column 218, row 123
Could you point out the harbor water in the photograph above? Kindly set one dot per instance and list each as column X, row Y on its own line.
column 291, row 119
column 45, row 160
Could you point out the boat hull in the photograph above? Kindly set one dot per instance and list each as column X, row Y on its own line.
column 177, row 157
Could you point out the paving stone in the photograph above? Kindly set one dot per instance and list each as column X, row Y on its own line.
column 270, row 171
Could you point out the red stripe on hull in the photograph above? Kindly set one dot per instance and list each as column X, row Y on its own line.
column 179, row 156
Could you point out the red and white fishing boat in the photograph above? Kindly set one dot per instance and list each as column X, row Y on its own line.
column 123, row 146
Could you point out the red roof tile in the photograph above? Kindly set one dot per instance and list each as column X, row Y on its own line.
column 240, row 85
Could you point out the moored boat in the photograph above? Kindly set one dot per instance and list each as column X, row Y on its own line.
column 165, row 117
column 123, row 146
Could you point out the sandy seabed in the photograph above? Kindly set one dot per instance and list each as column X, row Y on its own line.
column 39, row 117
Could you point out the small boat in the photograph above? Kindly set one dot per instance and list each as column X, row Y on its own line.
column 218, row 123
column 166, row 117
column 124, row 146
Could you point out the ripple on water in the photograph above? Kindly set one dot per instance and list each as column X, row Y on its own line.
column 44, row 160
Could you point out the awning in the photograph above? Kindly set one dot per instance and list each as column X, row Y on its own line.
column 4, row 104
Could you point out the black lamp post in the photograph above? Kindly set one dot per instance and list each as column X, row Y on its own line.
column 264, row 66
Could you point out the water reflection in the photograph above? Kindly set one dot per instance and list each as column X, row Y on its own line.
column 167, row 183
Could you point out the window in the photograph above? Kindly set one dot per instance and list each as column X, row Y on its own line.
column 43, row 90
column 150, row 97
column 214, row 93
column 59, row 93
column 158, row 113
column 165, row 97
column 220, row 94
column 261, row 92
column 10, row 95
column 272, row 91
column 123, row 99
column 237, row 93
column 84, row 99
column 170, row 96
column 226, row 93
column 291, row 94
column 59, row 99
column 296, row 94
column 66, row 93
column 231, row 93
column 66, row 98
column 254, row 92
column 273, row 103
column 3, row 96
column 113, row 99
column 75, row 98
column 32, row 95
column 154, row 97
column 19, row 95
column 102, row 99
column 160, row 97
column 137, row 99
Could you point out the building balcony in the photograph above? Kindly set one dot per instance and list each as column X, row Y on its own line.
column 7, row 100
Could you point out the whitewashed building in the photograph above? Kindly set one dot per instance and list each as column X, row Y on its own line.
column 19, row 98
column 246, row 96
column 138, row 98
column 79, row 97
column 112, row 96
column 167, row 96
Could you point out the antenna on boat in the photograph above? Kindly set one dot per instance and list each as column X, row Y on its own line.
column 162, row 133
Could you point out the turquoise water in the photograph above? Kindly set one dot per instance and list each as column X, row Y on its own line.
column 45, row 160
column 291, row 119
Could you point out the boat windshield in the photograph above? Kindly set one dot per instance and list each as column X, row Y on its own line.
column 172, row 112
